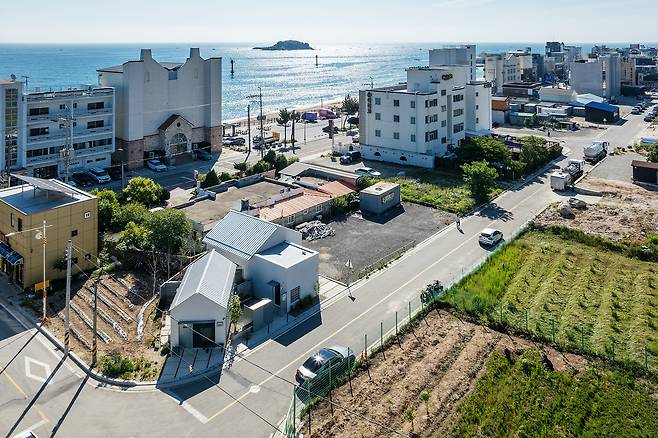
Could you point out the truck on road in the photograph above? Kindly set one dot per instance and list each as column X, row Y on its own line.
column 567, row 177
column 596, row 151
column 310, row 117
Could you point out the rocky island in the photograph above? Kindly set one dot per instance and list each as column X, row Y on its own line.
column 287, row 45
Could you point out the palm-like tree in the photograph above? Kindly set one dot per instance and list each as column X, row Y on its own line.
column 350, row 107
column 284, row 119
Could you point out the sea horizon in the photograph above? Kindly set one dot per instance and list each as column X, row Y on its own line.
column 288, row 78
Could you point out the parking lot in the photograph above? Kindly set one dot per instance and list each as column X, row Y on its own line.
column 366, row 240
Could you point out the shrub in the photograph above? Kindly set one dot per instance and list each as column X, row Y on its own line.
column 481, row 179
column 115, row 365
column 210, row 180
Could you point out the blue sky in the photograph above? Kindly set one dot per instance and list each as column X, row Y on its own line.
column 352, row 21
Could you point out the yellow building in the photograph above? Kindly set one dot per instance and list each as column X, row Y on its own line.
column 69, row 213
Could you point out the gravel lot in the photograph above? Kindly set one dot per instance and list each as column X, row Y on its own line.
column 365, row 240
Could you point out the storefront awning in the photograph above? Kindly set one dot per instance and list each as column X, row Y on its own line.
column 10, row 256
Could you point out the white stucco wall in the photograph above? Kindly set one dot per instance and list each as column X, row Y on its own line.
column 199, row 308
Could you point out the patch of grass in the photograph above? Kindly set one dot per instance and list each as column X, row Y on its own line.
column 114, row 365
column 523, row 398
column 578, row 296
column 441, row 189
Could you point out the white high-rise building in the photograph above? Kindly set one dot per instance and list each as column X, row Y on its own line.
column 166, row 109
column 456, row 55
column 508, row 67
column 38, row 126
column 601, row 76
column 428, row 117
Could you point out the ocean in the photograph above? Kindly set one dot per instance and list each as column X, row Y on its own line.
column 288, row 79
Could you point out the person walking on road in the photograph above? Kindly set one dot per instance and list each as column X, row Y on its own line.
column 459, row 224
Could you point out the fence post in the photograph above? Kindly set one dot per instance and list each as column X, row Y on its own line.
column 294, row 413
column 349, row 376
column 365, row 350
column 381, row 337
column 331, row 401
column 310, row 406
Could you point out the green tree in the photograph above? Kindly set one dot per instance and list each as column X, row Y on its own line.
column 652, row 153
column 143, row 191
column 210, row 180
column 131, row 212
column 235, row 310
column 168, row 230
column 225, row 176
column 134, row 236
column 409, row 417
column 281, row 162
column 363, row 182
column 260, row 167
column 425, row 397
column 241, row 167
column 295, row 117
column 484, row 148
column 107, row 206
column 350, row 107
column 270, row 157
column 283, row 119
column 481, row 178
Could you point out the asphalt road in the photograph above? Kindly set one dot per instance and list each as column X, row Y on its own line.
column 37, row 391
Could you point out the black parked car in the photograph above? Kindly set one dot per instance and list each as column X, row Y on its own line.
column 82, row 179
column 202, row 154
column 114, row 172
column 326, row 129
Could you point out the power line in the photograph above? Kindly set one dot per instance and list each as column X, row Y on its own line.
column 233, row 355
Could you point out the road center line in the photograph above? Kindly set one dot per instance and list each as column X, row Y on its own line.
column 414, row 278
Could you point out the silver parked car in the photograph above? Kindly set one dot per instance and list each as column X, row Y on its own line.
column 490, row 237
column 322, row 360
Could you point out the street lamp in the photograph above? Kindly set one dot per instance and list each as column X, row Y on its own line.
column 39, row 235
column 123, row 160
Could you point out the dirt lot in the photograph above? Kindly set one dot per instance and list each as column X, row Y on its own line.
column 444, row 356
column 626, row 212
column 365, row 240
column 120, row 299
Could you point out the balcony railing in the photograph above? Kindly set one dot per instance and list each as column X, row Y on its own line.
column 78, row 153
column 77, row 133
column 79, row 113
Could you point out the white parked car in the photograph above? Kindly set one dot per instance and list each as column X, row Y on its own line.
column 156, row 165
column 368, row 171
column 99, row 175
column 490, row 236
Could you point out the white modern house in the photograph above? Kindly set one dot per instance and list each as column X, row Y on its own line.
column 427, row 117
column 36, row 126
column 199, row 311
column 270, row 260
column 166, row 109
column 601, row 76
column 456, row 55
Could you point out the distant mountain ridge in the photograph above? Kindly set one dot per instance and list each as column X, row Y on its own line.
column 287, row 45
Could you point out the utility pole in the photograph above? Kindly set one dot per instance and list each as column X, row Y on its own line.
column 123, row 160
column 66, row 153
column 292, row 139
column 45, row 289
column 67, row 326
column 262, row 135
column 248, row 131
column 94, row 347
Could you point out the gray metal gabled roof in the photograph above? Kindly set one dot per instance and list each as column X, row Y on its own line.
column 240, row 234
column 211, row 276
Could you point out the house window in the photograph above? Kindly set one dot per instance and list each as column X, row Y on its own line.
column 74, row 233
column 20, row 224
column 443, row 140
column 413, row 104
column 444, row 108
column 378, row 133
column 396, row 102
column 477, row 120
column 413, row 138
column 173, row 75
column 95, row 124
column 294, row 294
column 75, row 105
column 39, row 111
column 396, row 119
column 477, row 93
column 318, row 208
column 290, row 219
column 378, row 116
column 35, row 132
column 431, row 136
column 378, row 100
column 62, row 106
column 412, row 121
column 457, row 97
column 396, row 136
column 95, row 105
column 443, row 92
column 477, row 107
column 87, row 214
column 459, row 127
column 458, row 112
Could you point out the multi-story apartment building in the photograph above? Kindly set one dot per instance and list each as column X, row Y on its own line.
column 70, row 214
column 38, row 126
column 456, row 55
column 500, row 69
column 426, row 118
column 601, row 76
column 166, row 109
